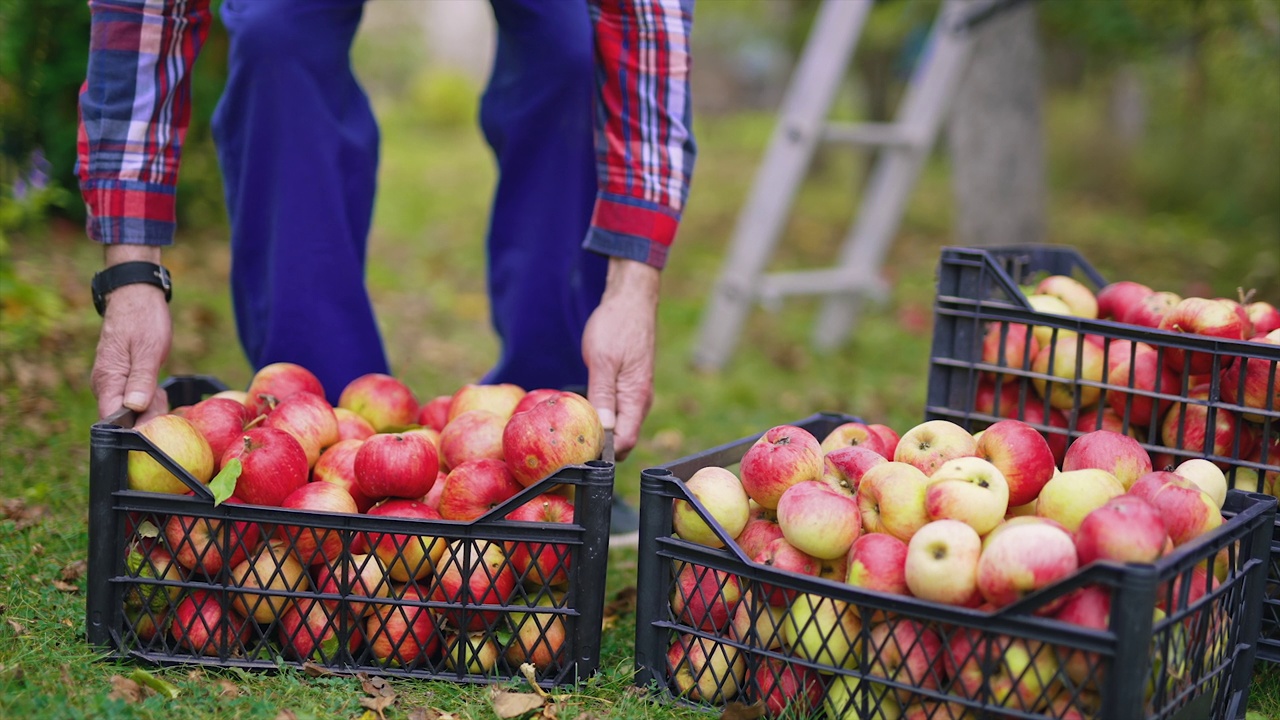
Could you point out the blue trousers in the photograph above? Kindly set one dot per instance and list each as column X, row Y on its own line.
column 298, row 146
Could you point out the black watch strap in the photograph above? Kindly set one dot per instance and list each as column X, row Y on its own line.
column 128, row 273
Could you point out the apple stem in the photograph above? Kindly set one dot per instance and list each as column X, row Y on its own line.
column 1246, row 297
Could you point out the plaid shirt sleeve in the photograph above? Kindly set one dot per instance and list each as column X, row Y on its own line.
column 644, row 139
column 135, row 105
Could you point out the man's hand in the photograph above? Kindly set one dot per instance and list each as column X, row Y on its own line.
column 618, row 348
column 136, row 333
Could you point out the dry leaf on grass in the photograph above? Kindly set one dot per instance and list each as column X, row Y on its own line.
column 122, row 688
column 738, row 711
column 23, row 517
column 427, row 713
column 37, row 549
column 74, row 571
column 18, row 628
column 315, row 670
column 226, row 688
column 382, row 695
column 65, row 587
column 508, row 705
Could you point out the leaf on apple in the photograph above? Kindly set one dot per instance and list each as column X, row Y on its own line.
column 148, row 529
column 224, row 485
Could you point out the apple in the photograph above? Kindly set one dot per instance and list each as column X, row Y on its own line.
column 434, row 413
column 406, row 557
column 1200, row 316
column 757, row 624
column 1021, row 454
column 704, row 598
column 930, row 444
column 1001, row 670
column 399, row 465
column 844, row 467
column 178, row 438
column 472, row 435
column 850, row 697
column 337, row 466
column 386, row 402
column 205, row 545
column 852, row 434
column 354, row 576
column 1253, row 383
column 403, row 635
column 888, row 437
column 1048, row 305
column 536, row 563
column 220, row 420
column 151, row 562
column 1088, row 607
column 1100, row 417
column 1017, row 520
column 783, row 456
column 1263, row 315
column 432, row 437
column 277, row 381
column 834, row 569
column 942, row 563
column 878, row 561
column 760, row 530
column 474, row 653
column 1206, row 476
column 1186, row 426
column 310, row 419
column 786, row 687
column 271, row 567
column 1015, row 403
column 432, row 498
column 500, row 399
column 1073, row 494
column 1116, row 299
column 540, row 637
column 473, row 573
column 1118, row 454
column 907, row 652
column 721, row 493
column 273, row 464
column 533, row 397
column 203, row 626
column 1150, row 311
column 822, row 630
column 1126, row 529
column 351, row 425
column 968, row 489
column 1009, row 345
column 1241, row 313
column 1187, row 510
column 475, row 487
column 1075, row 294
column 239, row 396
column 313, row 544
column 146, row 625
column 561, row 430
column 1148, row 377
column 891, row 499
column 704, row 670
column 818, row 519
column 1078, row 367
column 783, row 555
column 1023, row 559
column 309, row 630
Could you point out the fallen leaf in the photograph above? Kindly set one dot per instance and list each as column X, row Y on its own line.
column 531, row 674
column 74, row 571
column 226, row 688
column 65, row 587
column 507, row 704
column 315, row 670
column 430, row 713
column 550, row 712
column 22, row 515
column 377, row 705
column 18, row 628
column 67, row 622
column 122, row 688
column 195, row 675
column 37, row 549
column 382, row 695
column 738, row 711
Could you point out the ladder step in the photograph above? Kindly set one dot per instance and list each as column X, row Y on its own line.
column 875, row 134
column 833, row 281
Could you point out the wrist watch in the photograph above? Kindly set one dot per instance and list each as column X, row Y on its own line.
column 128, row 273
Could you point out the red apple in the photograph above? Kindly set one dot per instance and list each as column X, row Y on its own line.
column 704, row 670
column 203, row 626
column 787, row 687
column 843, row 468
column 1075, row 294
column 337, row 465
column 1023, row 559
column 562, row 430
column 930, row 444
column 783, row 555
column 1116, row 299
column 1186, row 426
column 309, row 630
column 891, row 499
column 406, row 557
column 221, row 421
column 432, row 498
column 203, row 544
column 757, row 624
column 352, row 425
column 1127, row 529
column 1200, row 316
column 942, row 563
column 403, row 635
column 968, row 489
column 852, row 434
column 182, row 441
column 1118, row 454
column 1264, row 316
column 542, row 563
column 354, row 576
column 1254, row 383
column 818, row 520
column 1009, row 345
column 1021, row 454
column 760, row 530
column 272, row 567
column 703, row 597
column 473, row 572
column 500, row 399
column 1000, row 670
column 273, row 464
column 387, row 403
column 475, row 487
column 1022, row 404
column 1150, row 311
column 783, row 456
column 400, row 465
column 472, row 435
column 1077, row 368
column 907, row 652
column 1188, row 511
column 877, row 561
column 1149, row 378
column 313, row 544
column 888, row 436
column 277, row 381
column 434, row 413
column 1088, row 607
column 309, row 418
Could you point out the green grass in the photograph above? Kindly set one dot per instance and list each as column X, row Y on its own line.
column 427, row 280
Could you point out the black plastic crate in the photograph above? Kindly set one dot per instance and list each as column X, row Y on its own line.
column 978, row 292
column 1194, row 662
column 144, row 605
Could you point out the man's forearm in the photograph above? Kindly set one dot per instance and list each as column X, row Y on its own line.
column 116, row 254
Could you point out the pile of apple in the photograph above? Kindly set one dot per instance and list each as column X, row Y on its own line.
column 976, row 521
column 1099, row 383
column 382, row 453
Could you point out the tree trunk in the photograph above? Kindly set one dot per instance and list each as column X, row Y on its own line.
column 994, row 135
